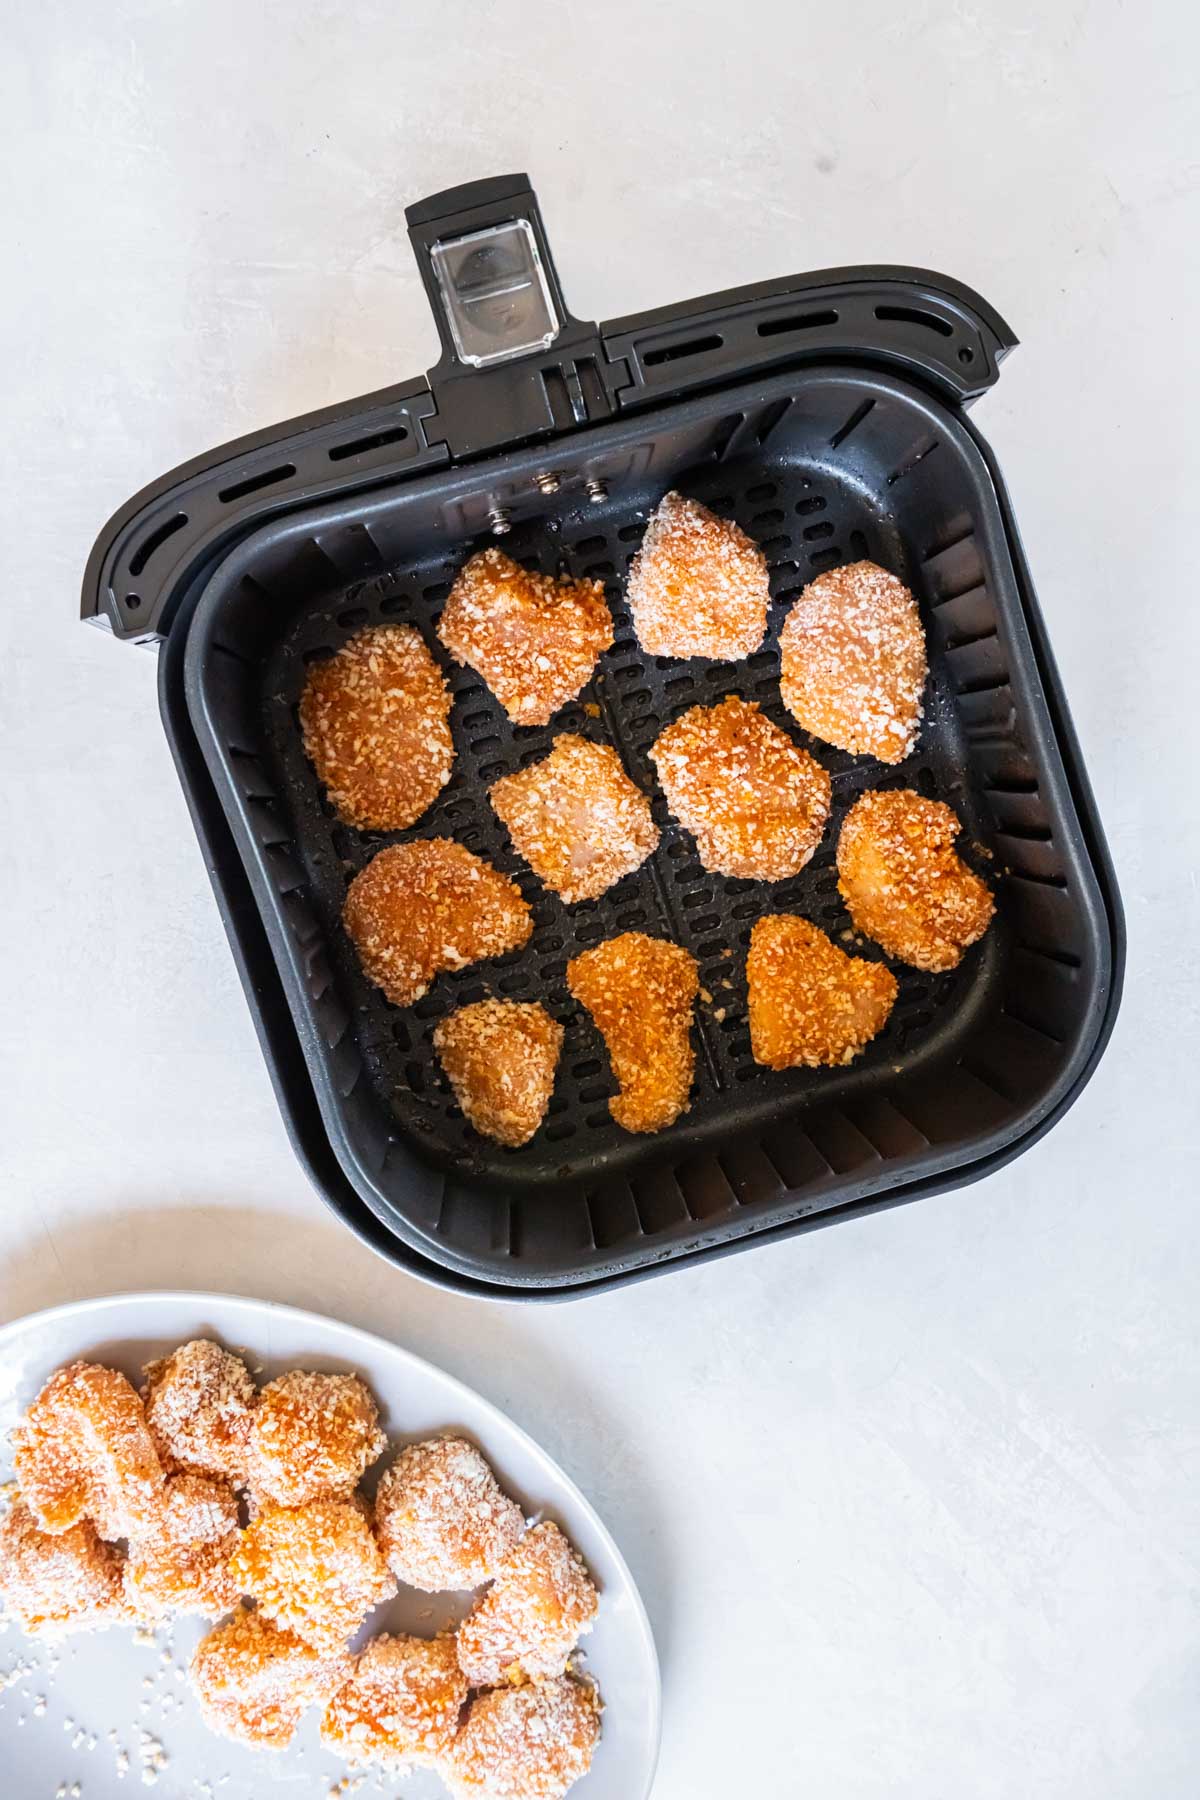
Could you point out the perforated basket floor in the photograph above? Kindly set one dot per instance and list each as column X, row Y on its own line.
column 820, row 469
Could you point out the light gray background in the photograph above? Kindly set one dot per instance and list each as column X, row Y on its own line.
column 913, row 1501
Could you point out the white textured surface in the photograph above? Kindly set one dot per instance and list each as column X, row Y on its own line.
column 914, row 1502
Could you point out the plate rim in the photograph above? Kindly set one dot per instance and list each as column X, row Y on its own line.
column 68, row 1310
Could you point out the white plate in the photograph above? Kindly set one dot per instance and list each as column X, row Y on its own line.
column 68, row 1711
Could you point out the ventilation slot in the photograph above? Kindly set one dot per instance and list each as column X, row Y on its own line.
column 677, row 352
column 396, row 434
column 253, row 483
column 157, row 538
column 912, row 315
column 797, row 322
column 852, row 423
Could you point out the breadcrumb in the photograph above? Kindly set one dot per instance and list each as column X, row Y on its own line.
column 810, row 1003
column 529, row 1621
column 423, row 907
column 853, row 663
column 755, row 802
column 534, row 639
column 576, row 818
column 698, row 586
column 441, row 1518
column 640, row 992
column 500, row 1057
column 905, row 884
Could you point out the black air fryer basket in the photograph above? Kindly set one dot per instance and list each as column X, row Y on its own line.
column 826, row 414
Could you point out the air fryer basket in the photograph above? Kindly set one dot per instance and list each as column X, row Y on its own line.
column 822, row 463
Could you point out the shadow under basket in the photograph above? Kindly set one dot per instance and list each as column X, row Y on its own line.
column 820, row 467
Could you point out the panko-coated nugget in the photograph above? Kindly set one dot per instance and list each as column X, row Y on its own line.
column 83, row 1451
column 640, row 991
column 419, row 908
column 905, row 884
column 534, row 639
column 576, row 818
column 401, row 1704
column 441, row 1518
column 698, row 586
column 853, row 664
column 525, row 1743
column 182, row 1563
column 312, row 1435
column 199, row 1405
column 313, row 1569
column 375, row 720
column 500, row 1057
column 255, row 1682
column 54, row 1583
column 529, row 1621
column 810, row 1003
column 755, row 802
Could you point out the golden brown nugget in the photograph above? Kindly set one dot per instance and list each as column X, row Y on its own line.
column 576, row 818
column 401, row 1704
column 199, row 1405
column 182, row 1564
column 83, row 1451
column 500, row 1057
column 441, row 1518
column 255, row 1682
column 853, row 663
column 375, row 719
column 810, row 1003
column 525, row 1743
column 755, row 802
column 420, row 908
column 531, row 1618
column 534, row 639
column 698, row 586
column 640, row 991
column 313, row 1569
column 313, row 1435
column 905, row 884
column 53, row 1583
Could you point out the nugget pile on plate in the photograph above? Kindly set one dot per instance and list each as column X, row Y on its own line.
column 205, row 1494
column 756, row 802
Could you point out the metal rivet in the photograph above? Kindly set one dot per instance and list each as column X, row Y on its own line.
column 499, row 520
column 550, row 482
column 597, row 490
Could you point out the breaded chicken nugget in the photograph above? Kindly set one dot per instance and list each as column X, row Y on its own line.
column 853, row 664
column 313, row 1569
column 312, row 1435
column 529, row 1621
column 810, row 1003
column 254, row 1682
column 905, row 885
column 525, row 1743
column 430, row 905
column 53, row 1583
column 640, row 991
column 83, row 1451
column 375, row 720
column 576, row 818
column 441, row 1518
column 199, row 1403
column 500, row 1057
column 401, row 1704
column 698, row 586
column 532, row 638
column 182, row 1562
column 755, row 802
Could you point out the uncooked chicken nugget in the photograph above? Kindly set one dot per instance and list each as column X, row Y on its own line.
column 698, row 586
column 525, row 1743
column 441, row 1518
column 255, row 1682
column 52, row 1583
column 905, row 884
column 531, row 1618
column 755, row 802
column 576, row 818
column 853, row 663
column 500, row 1057
column 313, row 1569
column 83, row 1451
column 401, row 1704
column 375, row 719
column 182, row 1562
column 534, row 639
column 312, row 1435
column 199, row 1402
column 639, row 991
column 419, row 908
column 810, row 1003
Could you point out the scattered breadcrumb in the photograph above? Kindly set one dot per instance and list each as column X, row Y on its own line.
column 500, row 1057
column 810, row 1003
column 905, row 884
column 640, row 991
column 576, row 818
column 698, row 586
